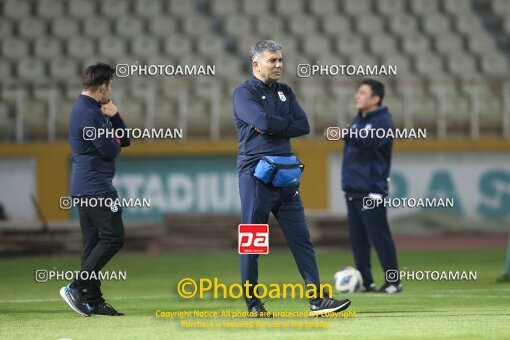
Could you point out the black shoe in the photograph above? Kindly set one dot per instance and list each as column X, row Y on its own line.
column 104, row 309
column 75, row 299
column 259, row 311
column 327, row 305
column 391, row 288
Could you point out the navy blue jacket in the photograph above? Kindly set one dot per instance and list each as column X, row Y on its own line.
column 366, row 161
column 273, row 111
column 93, row 161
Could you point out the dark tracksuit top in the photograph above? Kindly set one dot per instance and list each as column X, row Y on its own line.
column 275, row 112
column 93, row 161
column 367, row 161
column 366, row 169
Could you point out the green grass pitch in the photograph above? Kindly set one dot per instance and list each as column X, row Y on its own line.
column 444, row 310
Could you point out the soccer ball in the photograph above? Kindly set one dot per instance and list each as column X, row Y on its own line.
column 348, row 280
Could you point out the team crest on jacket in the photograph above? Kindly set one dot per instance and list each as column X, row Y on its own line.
column 282, row 96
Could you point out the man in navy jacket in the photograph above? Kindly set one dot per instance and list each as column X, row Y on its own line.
column 365, row 174
column 266, row 115
column 93, row 168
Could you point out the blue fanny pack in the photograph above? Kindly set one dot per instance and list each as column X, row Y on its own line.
column 280, row 171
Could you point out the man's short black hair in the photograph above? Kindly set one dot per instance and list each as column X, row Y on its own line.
column 377, row 89
column 97, row 75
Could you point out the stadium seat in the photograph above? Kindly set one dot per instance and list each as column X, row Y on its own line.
column 356, row 7
column 177, row 45
column 468, row 23
column 252, row 8
column 210, row 45
column 114, row 8
column 163, row 26
column 390, row 7
column 494, row 65
column 461, row 63
column 16, row 9
column 224, row 7
column 63, row 69
column 165, row 112
column 436, row 24
column 196, row 25
column 396, row 107
column 368, row 24
column 447, row 42
column 97, row 27
column 324, row 7
column 481, row 43
column 227, row 65
column 31, row 69
column 289, row 7
column 443, row 85
column 238, row 26
column 403, row 63
column 148, row 8
column 47, row 48
column 180, row 8
column 268, row 24
column 363, row 59
column 144, row 46
column 428, row 64
column 67, row 28
column 81, row 48
column 429, row 7
column 6, row 72
column 350, row 44
column 382, row 43
column 50, row 9
column 128, row 27
column 81, row 9
column 302, row 25
column 335, row 24
column 134, row 108
column 415, row 44
column 14, row 48
column 316, row 45
column 402, row 24
column 500, row 6
column 457, row 7
column 112, row 46
column 30, row 27
column 6, row 28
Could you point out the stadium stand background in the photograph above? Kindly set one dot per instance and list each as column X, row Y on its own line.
column 452, row 64
column 452, row 58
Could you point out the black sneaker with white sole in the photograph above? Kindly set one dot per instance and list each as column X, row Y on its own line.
column 391, row 288
column 75, row 299
column 103, row 309
column 328, row 305
column 259, row 311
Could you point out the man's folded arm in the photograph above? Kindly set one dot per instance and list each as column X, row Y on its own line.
column 250, row 111
column 118, row 123
column 299, row 125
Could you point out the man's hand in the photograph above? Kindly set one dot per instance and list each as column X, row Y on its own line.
column 109, row 109
column 257, row 130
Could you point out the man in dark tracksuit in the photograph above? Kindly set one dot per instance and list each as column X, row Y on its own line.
column 266, row 116
column 93, row 169
column 365, row 173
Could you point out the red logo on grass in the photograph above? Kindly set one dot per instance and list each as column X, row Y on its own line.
column 253, row 238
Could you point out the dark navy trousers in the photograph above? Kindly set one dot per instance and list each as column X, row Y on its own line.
column 370, row 227
column 257, row 201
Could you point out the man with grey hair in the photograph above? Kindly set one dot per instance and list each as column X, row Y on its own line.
column 266, row 115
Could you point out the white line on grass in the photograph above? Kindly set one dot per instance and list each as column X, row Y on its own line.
column 112, row 298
